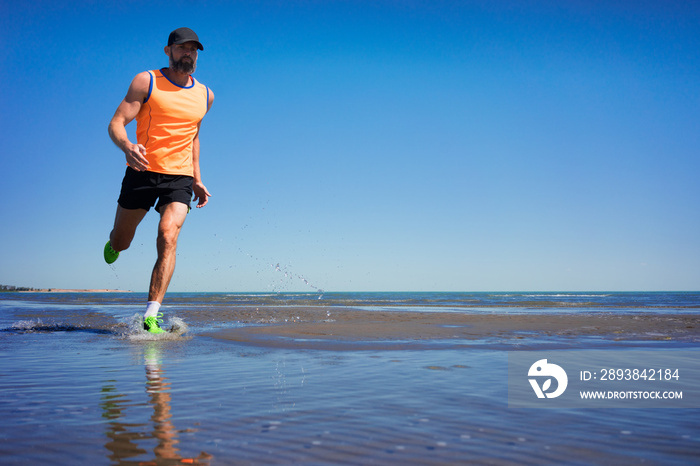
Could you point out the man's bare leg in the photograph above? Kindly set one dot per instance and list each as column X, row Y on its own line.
column 172, row 217
column 125, row 224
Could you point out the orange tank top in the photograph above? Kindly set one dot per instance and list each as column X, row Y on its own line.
column 167, row 123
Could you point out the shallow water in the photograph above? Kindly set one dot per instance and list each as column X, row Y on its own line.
column 80, row 385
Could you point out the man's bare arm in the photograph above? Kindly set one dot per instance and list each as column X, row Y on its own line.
column 200, row 191
column 125, row 114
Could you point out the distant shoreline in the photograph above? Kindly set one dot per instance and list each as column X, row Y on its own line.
column 62, row 290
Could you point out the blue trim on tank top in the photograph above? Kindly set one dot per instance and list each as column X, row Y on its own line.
column 181, row 87
column 150, row 87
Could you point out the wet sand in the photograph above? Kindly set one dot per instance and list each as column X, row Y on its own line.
column 324, row 328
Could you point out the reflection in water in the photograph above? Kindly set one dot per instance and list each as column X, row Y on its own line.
column 124, row 437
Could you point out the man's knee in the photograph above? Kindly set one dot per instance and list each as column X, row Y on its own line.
column 167, row 236
column 171, row 221
column 125, row 224
column 166, row 239
column 119, row 242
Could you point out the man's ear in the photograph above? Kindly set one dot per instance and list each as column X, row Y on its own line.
column 167, row 50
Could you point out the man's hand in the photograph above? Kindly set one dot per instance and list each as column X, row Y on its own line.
column 200, row 194
column 136, row 157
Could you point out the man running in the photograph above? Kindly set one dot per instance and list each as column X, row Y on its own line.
column 163, row 165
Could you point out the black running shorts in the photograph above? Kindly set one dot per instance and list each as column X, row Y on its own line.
column 141, row 190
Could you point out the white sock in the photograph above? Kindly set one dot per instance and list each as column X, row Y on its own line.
column 152, row 308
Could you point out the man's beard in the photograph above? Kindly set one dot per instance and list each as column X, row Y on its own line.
column 182, row 66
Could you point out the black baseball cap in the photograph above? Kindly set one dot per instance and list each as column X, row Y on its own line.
column 182, row 35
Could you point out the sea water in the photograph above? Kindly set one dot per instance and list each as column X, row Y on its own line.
column 79, row 384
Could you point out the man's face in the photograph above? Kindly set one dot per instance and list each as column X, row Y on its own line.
column 183, row 57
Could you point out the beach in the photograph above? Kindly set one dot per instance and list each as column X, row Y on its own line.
column 326, row 379
column 353, row 329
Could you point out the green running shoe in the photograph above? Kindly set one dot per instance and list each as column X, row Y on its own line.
column 152, row 324
column 110, row 254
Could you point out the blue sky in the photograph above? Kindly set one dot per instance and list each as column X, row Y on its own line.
column 456, row 146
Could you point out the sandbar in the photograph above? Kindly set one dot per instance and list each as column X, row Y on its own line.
column 315, row 328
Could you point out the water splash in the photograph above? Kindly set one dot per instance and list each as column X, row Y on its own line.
column 290, row 276
column 175, row 328
column 37, row 326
